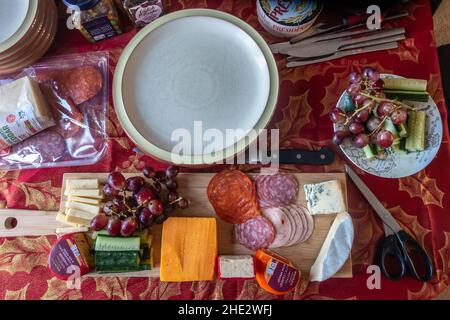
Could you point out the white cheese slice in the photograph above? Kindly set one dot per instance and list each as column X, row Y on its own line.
column 71, row 230
column 85, row 200
column 89, row 208
column 80, row 222
column 325, row 197
column 87, row 193
column 236, row 267
column 61, row 217
column 73, row 184
column 80, row 214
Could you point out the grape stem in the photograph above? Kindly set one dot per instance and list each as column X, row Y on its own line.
column 175, row 201
column 397, row 102
column 379, row 126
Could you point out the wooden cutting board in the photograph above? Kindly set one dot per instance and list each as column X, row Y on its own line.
column 193, row 187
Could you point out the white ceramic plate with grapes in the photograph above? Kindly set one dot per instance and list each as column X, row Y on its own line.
column 398, row 164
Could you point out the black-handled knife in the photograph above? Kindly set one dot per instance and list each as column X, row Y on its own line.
column 323, row 156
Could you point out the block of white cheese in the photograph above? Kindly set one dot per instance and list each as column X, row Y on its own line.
column 325, row 197
column 89, row 208
column 80, row 214
column 73, row 184
column 236, row 267
column 71, row 230
column 61, row 217
column 78, row 221
column 85, row 200
column 87, row 193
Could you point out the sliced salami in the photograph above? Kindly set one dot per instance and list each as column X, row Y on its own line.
column 256, row 233
column 282, row 225
column 277, row 190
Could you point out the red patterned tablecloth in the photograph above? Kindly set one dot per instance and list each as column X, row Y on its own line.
column 307, row 94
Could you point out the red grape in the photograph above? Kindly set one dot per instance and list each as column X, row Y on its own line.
column 171, row 185
column 172, row 172
column 144, row 195
column 361, row 140
column 156, row 207
column 362, row 116
column 368, row 103
column 160, row 175
column 99, row 222
column 399, row 116
column 129, row 227
column 117, row 181
column 385, row 108
column 339, row 137
column 110, row 191
column 172, row 196
column 109, row 207
column 118, row 200
column 337, row 116
column 114, row 226
column 353, row 89
column 134, row 184
column 358, row 99
column 354, row 77
column 378, row 85
column 145, row 217
column 371, row 74
column 157, row 186
column 183, row 204
column 385, row 138
column 131, row 202
column 356, row 128
column 149, row 172
column 373, row 123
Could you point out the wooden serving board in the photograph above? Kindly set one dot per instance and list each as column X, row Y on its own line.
column 193, row 187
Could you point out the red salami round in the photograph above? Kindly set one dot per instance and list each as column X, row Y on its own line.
column 46, row 146
column 276, row 190
column 257, row 233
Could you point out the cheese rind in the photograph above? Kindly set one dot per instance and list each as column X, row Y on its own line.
column 73, row 184
column 325, row 197
column 79, row 213
column 85, row 200
column 236, row 267
column 87, row 193
column 89, row 208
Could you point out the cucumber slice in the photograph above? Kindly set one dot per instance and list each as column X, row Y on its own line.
column 405, row 84
column 369, row 152
column 416, row 128
column 420, row 96
column 402, row 131
column 105, row 243
column 105, row 259
column 388, row 125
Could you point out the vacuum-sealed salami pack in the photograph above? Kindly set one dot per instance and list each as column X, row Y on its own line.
column 53, row 114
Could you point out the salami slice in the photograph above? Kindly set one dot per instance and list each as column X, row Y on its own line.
column 277, row 190
column 233, row 196
column 83, row 83
column 282, row 225
column 254, row 234
column 47, row 146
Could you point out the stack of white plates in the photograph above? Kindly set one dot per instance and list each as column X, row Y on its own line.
column 27, row 29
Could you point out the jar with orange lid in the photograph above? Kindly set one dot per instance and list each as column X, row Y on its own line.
column 96, row 19
column 275, row 274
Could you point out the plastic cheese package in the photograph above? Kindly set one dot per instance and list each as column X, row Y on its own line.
column 75, row 90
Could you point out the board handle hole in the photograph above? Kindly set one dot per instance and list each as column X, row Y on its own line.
column 10, row 223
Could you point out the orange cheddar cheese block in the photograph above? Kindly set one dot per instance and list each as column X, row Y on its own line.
column 188, row 249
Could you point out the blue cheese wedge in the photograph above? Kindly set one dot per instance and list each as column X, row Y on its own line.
column 325, row 197
column 236, row 267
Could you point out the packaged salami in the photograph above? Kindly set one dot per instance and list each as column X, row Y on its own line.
column 75, row 92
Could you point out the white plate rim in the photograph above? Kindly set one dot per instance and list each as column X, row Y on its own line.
column 389, row 174
column 119, row 104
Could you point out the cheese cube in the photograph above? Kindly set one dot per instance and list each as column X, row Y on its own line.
column 71, row 230
column 90, row 208
column 188, row 249
column 325, row 198
column 236, row 267
column 61, row 217
column 73, row 184
column 78, row 221
column 80, row 214
column 84, row 200
column 87, row 193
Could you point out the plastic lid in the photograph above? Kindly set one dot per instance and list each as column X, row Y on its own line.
column 82, row 4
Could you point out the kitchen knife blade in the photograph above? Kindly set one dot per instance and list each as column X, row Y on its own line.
column 323, row 156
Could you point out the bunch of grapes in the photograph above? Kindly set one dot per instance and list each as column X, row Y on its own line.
column 364, row 124
column 136, row 203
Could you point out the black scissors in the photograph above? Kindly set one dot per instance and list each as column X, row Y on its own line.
column 398, row 252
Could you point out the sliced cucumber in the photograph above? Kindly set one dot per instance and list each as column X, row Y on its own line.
column 416, row 128
column 420, row 96
column 105, row 243
column 347, row 103
column 369, row 152
column 388, row 125
column 405, row 84
column 402, row 130
column 105, row 259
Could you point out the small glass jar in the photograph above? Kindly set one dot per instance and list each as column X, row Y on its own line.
column 142, row 12
column 96, row 19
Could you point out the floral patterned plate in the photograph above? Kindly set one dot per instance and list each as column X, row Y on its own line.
column 400, row 165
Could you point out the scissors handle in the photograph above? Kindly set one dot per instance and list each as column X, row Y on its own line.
column 391, row 259
column 416, row 259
